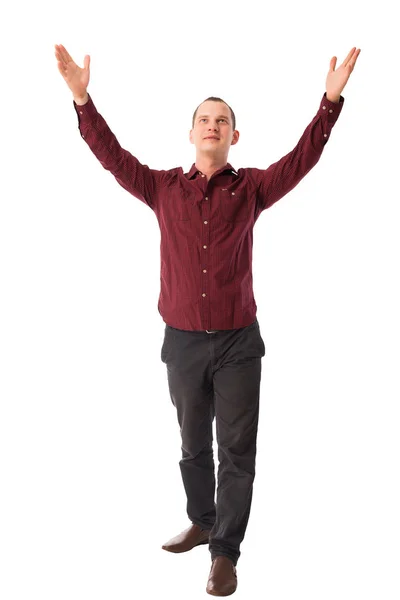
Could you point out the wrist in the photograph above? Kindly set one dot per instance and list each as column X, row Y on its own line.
column 332, row 98
column 81, row 100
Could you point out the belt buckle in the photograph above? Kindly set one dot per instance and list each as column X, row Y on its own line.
column 211, row 331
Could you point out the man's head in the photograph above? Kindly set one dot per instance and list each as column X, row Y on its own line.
column 213, row 128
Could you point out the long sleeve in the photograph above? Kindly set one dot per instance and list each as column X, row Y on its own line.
column 282, row 176
column 138, row 179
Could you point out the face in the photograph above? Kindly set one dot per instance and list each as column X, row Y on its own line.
column 213, row 132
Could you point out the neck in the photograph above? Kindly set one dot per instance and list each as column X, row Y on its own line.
column 209, row 165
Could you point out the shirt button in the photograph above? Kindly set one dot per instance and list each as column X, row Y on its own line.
column 330, row 110
column 83, row 136
column 205, row 222
column 204, row 270
column 325, row 135
column 204, row 246
column 233, row 193
column 324, row 107
column 203, row 175
column 206, row 198
column 203, row 295
column 81, row 112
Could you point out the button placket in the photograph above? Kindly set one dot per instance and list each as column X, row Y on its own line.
column 205, row 209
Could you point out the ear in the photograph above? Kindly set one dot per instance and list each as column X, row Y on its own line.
column 235, row 137
column 191, row 136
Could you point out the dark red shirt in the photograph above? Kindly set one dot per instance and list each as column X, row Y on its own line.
column 207, row 226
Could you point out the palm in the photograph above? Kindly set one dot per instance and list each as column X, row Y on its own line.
column 76, row 78
column 336, row 80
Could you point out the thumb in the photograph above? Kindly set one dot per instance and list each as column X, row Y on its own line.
column 86, row 62
column 332, row 64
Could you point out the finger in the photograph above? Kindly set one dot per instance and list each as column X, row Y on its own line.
column 66, row 57
column 86, row 62
column 64, row 68
column 353, row 61
column 348, row 57
column 61, row 69
column 60, row 56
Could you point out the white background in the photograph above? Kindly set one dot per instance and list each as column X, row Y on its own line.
column 89, row 440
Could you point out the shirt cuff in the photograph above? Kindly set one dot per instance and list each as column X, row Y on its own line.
column 87, row 112
column 330, row 109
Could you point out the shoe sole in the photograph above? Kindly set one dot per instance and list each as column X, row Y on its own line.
column 218, row 594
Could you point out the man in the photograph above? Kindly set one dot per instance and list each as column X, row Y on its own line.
column 212, row 345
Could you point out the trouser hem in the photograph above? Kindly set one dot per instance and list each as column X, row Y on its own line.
column 234, row 559
column 206, row 526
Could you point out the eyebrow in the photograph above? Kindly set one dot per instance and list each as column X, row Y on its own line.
column 218, row 117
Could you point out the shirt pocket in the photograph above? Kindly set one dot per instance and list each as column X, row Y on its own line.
column 234, row 205
column 180, row 205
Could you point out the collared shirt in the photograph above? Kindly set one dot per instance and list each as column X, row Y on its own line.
column 207, row 226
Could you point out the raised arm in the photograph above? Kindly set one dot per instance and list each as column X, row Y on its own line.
column 281, row 177
column 138, row 179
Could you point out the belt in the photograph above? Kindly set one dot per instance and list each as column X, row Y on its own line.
column 216, row 330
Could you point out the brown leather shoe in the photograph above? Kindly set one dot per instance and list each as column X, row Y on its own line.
column 222, row 580
column 188, row 539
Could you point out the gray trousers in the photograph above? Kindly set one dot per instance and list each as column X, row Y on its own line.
column 217, row 375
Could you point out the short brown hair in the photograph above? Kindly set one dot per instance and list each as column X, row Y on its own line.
column 214, row 99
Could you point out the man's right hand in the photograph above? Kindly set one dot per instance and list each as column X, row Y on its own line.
column 76, row 78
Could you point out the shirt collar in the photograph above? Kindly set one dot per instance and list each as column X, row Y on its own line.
column 194, row 170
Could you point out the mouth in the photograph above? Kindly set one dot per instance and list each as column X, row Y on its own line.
column 211, row 138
